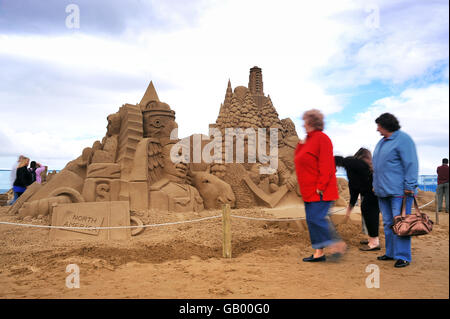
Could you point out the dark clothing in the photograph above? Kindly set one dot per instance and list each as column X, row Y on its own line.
column 33, row 174
column 23, row 177
column 441, row 192
column 359, row 178
column 370, row 211
column 442, row 172
column 360, row 182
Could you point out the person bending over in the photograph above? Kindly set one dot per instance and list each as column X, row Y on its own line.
column 360, row 176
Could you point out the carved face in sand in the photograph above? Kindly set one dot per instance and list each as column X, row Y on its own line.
column 176, row 172
column 159, row 120
column 213, row 190
column 113, row 124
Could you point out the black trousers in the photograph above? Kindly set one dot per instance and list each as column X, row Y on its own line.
column 371, row 213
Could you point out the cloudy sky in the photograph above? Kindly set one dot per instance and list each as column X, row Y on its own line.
column 351, row 59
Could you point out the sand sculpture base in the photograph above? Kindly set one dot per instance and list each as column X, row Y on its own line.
column 101, row 214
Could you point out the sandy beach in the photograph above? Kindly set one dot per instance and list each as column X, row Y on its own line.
column 185, row 261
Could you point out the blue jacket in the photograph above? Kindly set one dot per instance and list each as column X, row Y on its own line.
column 395, row 165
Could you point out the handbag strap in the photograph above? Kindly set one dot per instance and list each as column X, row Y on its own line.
column 403, row 214
column 416, row 206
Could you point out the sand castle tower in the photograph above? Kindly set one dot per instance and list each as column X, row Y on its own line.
column 249, row 107
column 255, row 85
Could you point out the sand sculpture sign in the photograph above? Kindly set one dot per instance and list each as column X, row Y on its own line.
column 91, row 215
column 134, row 164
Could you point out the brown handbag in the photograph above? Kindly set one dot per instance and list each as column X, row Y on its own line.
column 412, row 225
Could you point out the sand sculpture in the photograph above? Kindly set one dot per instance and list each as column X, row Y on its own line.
column 132, row 163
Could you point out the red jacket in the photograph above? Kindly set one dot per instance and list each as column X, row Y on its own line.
column 315, row 167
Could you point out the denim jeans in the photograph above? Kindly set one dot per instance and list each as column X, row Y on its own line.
column 442, row 191
column 396, row 247
column 16, row 196
column 321, row 231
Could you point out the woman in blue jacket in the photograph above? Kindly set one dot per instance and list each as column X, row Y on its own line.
column 395, row 176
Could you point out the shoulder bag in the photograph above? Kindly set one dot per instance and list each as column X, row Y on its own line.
column 412, row 225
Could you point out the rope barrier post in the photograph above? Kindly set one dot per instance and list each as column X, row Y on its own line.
column 226, row 222
column 437, row 208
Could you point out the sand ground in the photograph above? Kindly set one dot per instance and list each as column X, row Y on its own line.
column 185, row 261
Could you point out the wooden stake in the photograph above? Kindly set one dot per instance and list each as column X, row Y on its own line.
column 437, row 208
column 226, row 222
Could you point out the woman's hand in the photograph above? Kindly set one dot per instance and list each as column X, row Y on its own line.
column 347, row 214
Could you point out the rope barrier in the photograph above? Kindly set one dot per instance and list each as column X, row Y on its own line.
column 268, row 219
column 280, row 219
column 172, row 223
column 113, row 227
column 426, row 204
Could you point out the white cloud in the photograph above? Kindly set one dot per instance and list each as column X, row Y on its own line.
column 411, row 40
column 290, row 40
column 423, row 114
column 196, row 62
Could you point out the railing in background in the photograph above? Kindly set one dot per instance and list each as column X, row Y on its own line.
column 428, row 183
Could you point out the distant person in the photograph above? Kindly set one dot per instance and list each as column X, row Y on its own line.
column 23, row 178
column 359, row 173
column 14, row 169
column 39, row 170
column 36, row 170
column 442, row 187
column 316, row 175
column 32, row 171
column 395, row 176
column 13, row 177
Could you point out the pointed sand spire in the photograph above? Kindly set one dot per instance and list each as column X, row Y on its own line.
column 150, row 95
column 228, row 94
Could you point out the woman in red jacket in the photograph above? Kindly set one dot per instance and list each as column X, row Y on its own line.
column 316, row 175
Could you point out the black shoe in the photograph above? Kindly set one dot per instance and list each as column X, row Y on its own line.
column 401, row 263
column 312, row 259
column 384, row 257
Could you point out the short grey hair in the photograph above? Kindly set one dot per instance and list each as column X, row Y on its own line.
column 314, row 118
